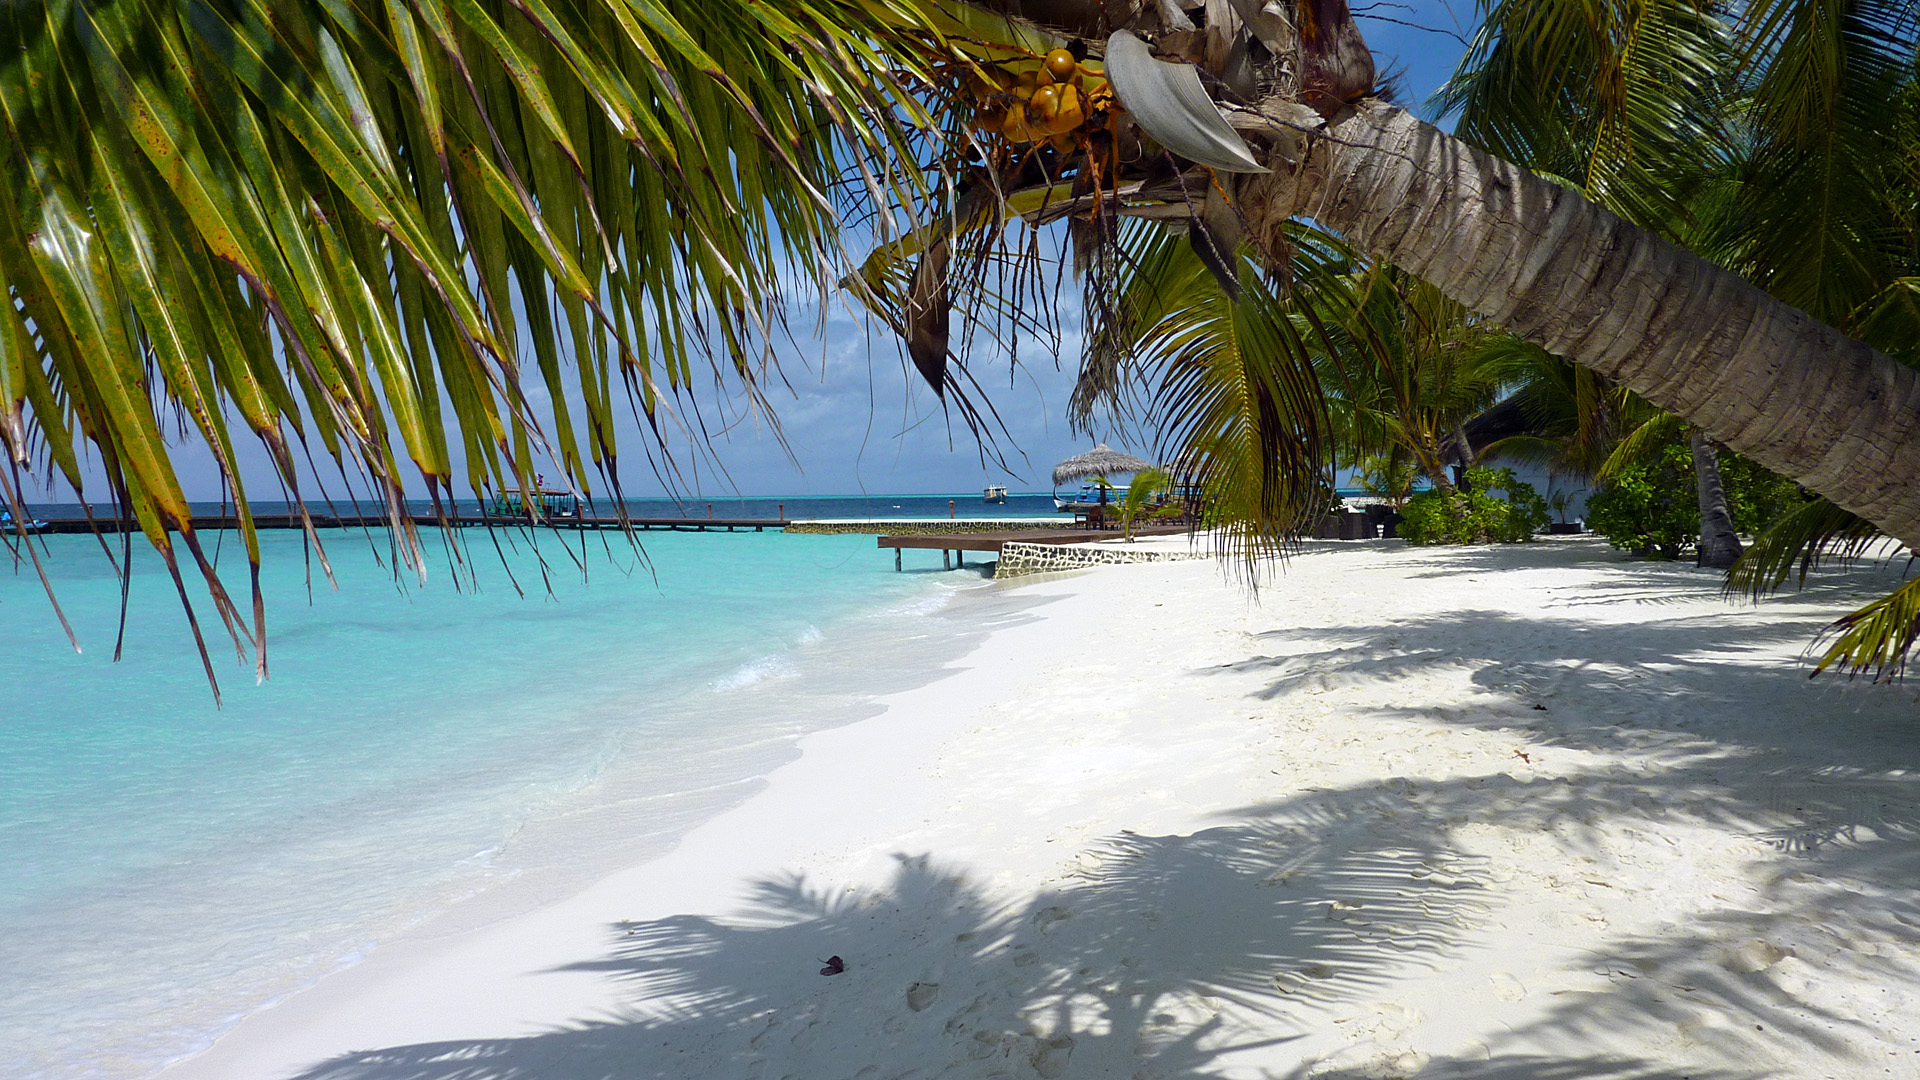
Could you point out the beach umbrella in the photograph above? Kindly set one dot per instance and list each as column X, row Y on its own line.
column 1102, row 460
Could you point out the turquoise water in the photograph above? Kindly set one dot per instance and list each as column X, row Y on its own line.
column 422, row 758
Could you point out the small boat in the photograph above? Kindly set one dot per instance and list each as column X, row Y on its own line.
column 1089, row 497
column 996, row 494
column 553, row 504
column 32, row 525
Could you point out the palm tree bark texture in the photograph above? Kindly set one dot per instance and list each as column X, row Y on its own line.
column 1719, row 545
column 1757, row 375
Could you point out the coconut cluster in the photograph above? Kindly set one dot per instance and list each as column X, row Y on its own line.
column 1053, row 99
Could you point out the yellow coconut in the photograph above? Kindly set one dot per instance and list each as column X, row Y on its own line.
column 1046, row 103
column 1069, row 110
column 1015, row 126
column 1061, row 65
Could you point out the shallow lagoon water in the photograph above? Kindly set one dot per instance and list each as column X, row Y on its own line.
column 423, row 758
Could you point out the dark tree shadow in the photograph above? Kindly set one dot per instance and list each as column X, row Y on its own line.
column 1166, row 957
column 1665, row 724
column 1162, row 957
column 1185, row 956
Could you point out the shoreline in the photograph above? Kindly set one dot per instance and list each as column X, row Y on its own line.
column 363, row 997
column 289, row 852
column 1421, row 812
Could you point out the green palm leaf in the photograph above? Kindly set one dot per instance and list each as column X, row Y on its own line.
column 1877, row 638
column 336, row 220
column 1232, row 385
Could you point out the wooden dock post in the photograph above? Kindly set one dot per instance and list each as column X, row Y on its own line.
column 945, row 562
column 896, row 560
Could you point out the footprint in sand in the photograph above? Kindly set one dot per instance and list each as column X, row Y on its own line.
column 1345, row 912
column 1755, row 956
column 1044, row 920
column 921, row 995
column 1506, row 987
column 985, row 1045
column 1049, row 1059
column 1292, row 982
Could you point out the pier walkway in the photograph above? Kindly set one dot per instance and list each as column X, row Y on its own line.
column 955, row 546
column 428, row 521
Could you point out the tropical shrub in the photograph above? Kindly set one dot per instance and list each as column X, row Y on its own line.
column 1389, row 478
column 1147, row 486
column 1652, row 508
column 1476, row 516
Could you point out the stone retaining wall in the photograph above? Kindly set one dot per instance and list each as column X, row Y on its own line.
column 926, row 527
column 1017, row 558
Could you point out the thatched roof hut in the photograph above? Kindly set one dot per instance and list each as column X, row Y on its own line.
column 1102, row 460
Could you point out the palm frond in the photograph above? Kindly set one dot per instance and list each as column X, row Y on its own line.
column 1231, row 384
column 1807, row 535
column 1408, row 368
column 1622, row 98
column 1543, row 451
column 1877, row 638
column 1892, row 318
column 1645, row 439
column 1575, row 416
column 336, row 221
column 1824, row 169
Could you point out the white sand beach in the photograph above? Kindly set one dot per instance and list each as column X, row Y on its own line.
column 1523, row 812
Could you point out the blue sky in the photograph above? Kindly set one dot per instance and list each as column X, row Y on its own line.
column 858, row 424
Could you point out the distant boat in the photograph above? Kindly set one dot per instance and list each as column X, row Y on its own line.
column 996, row 494
column 553, row 504
column 7, row 525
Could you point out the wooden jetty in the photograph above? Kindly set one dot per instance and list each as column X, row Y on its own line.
column 954, row 546
column 428, row 521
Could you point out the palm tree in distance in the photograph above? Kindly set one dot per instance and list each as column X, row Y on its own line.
column 1629, row 104
column 1781, row 146
column 1421, row 366
column 318, row 217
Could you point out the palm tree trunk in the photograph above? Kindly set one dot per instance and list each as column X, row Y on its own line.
column 1757, row 375
column 1719, row 544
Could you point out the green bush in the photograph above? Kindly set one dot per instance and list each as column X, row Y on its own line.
column 1476, row 516
column 1653, row 509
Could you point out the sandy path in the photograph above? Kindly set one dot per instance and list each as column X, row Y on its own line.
column 1532, row 812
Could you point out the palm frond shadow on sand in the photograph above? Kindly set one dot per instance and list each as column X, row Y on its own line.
column 1839, row 904
column 1821, row 774
column 1158, row 958
column 1161, row 957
